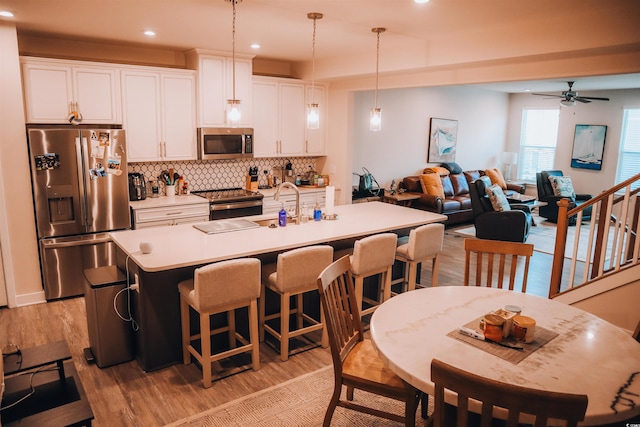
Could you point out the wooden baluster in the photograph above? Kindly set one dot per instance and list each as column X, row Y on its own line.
column 560, row 246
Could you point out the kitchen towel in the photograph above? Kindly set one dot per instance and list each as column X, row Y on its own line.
column 329, row 199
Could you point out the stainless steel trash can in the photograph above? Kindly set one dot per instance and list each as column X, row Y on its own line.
column 110, row 337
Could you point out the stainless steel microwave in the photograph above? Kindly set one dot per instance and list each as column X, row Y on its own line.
column 225, row 143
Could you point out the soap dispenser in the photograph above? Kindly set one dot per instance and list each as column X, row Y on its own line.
column 282, row 216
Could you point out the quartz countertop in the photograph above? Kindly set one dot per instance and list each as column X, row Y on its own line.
column 183, row 245
column 163, row 201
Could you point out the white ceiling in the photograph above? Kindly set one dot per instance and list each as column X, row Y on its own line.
column 285, row 33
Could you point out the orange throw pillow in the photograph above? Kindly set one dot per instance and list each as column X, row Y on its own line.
column 432, row 184
column 496, row 177
column 438, row 170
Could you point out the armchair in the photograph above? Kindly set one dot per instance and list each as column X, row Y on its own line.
column 509, row 225
column 546, row 194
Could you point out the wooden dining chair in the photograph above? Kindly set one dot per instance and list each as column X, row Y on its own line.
column 507, row 254
column 356, row 364
column 537, row 406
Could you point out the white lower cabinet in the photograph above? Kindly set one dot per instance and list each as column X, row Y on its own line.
column 307, row 198
column 170, row 215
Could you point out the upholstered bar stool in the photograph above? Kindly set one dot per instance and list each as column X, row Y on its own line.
column 294, row 274
column 218, row 288
column 423, row 243
column 373, row 255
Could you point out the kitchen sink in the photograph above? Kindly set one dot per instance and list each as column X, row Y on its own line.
column 267, row 222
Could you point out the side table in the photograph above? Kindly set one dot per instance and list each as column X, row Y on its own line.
column 58, row 398
column 404, row 199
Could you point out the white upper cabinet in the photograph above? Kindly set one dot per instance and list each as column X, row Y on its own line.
column 159, row 111
column 215, row 86
column 278, row 117
column 54, row 88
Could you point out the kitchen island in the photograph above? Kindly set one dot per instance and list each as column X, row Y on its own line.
column 179, row 249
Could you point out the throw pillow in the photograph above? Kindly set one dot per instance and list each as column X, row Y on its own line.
column 437, row 169
column 562, row 186
column 498, row 199
column 496, row 177
column 431, row 184
column 452, row 167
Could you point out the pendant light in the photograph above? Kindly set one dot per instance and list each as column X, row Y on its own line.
column 234, row 112
column 375, row 121
column 313, row 110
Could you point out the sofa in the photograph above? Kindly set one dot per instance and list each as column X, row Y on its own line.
column 454, row 199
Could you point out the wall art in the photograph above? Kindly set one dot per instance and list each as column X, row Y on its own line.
column 588, row 146
column 443, row 136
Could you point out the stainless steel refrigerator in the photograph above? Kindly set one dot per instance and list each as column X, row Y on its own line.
column 80, row 192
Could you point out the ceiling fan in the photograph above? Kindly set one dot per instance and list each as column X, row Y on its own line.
column 570, row 97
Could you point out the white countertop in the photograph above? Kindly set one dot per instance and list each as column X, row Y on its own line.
column 182, row 245
column 589, row 356
column 162, row 201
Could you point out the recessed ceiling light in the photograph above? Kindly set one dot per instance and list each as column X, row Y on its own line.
column 255, row 46
column 6, row 14
column 149, row 33
column 421, row 1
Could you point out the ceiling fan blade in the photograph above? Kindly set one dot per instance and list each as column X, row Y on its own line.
column 593, row 98
column 581, row 99
column 548, row 94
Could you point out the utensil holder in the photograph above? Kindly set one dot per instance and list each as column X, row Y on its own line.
column 170, row 191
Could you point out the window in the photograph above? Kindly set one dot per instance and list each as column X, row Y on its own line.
column 629, row 156
column 538, row 140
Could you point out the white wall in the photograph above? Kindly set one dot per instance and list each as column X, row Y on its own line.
column 17, row 230
column 400, row 149
column 607, row 113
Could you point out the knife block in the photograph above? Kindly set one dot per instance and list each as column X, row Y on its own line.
column 252, row 183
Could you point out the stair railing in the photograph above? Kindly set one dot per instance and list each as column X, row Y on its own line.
column 611, row 242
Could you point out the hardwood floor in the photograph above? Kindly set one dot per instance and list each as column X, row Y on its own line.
column 125, row 395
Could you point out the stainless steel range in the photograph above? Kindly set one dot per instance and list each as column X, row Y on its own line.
column 232, row 202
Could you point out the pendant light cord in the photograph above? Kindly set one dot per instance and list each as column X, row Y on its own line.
column 313, row 63
column 377, row 65
column 233, row 48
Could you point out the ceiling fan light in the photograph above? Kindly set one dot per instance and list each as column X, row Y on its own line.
column 568, row 102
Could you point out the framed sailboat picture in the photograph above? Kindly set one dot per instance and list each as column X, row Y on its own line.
column 588, row 146
column 443, row 136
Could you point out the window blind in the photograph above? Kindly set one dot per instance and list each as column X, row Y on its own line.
column 629, row 156
column 538, row 140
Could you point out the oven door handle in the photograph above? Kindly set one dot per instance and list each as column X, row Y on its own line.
column 235, row 205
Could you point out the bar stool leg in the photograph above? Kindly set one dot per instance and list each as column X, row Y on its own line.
column 205, row 342
column 412, row 266
column 299, row 311
column 261, row 313
column 285, row 308
column 253, row 335
column 231, row 320
column 386, row 283
column 186, row 331
column 434, row 271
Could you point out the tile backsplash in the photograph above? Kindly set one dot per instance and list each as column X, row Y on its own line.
column 206, row 175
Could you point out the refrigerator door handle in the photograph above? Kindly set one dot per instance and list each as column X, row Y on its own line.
column 82, row 184
column 47, row 244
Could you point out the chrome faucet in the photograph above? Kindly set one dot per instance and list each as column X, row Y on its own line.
column 287, row 184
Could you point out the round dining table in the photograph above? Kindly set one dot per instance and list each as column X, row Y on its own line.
column 576, row 351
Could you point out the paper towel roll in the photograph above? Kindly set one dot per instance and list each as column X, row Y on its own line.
column 329, row 200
